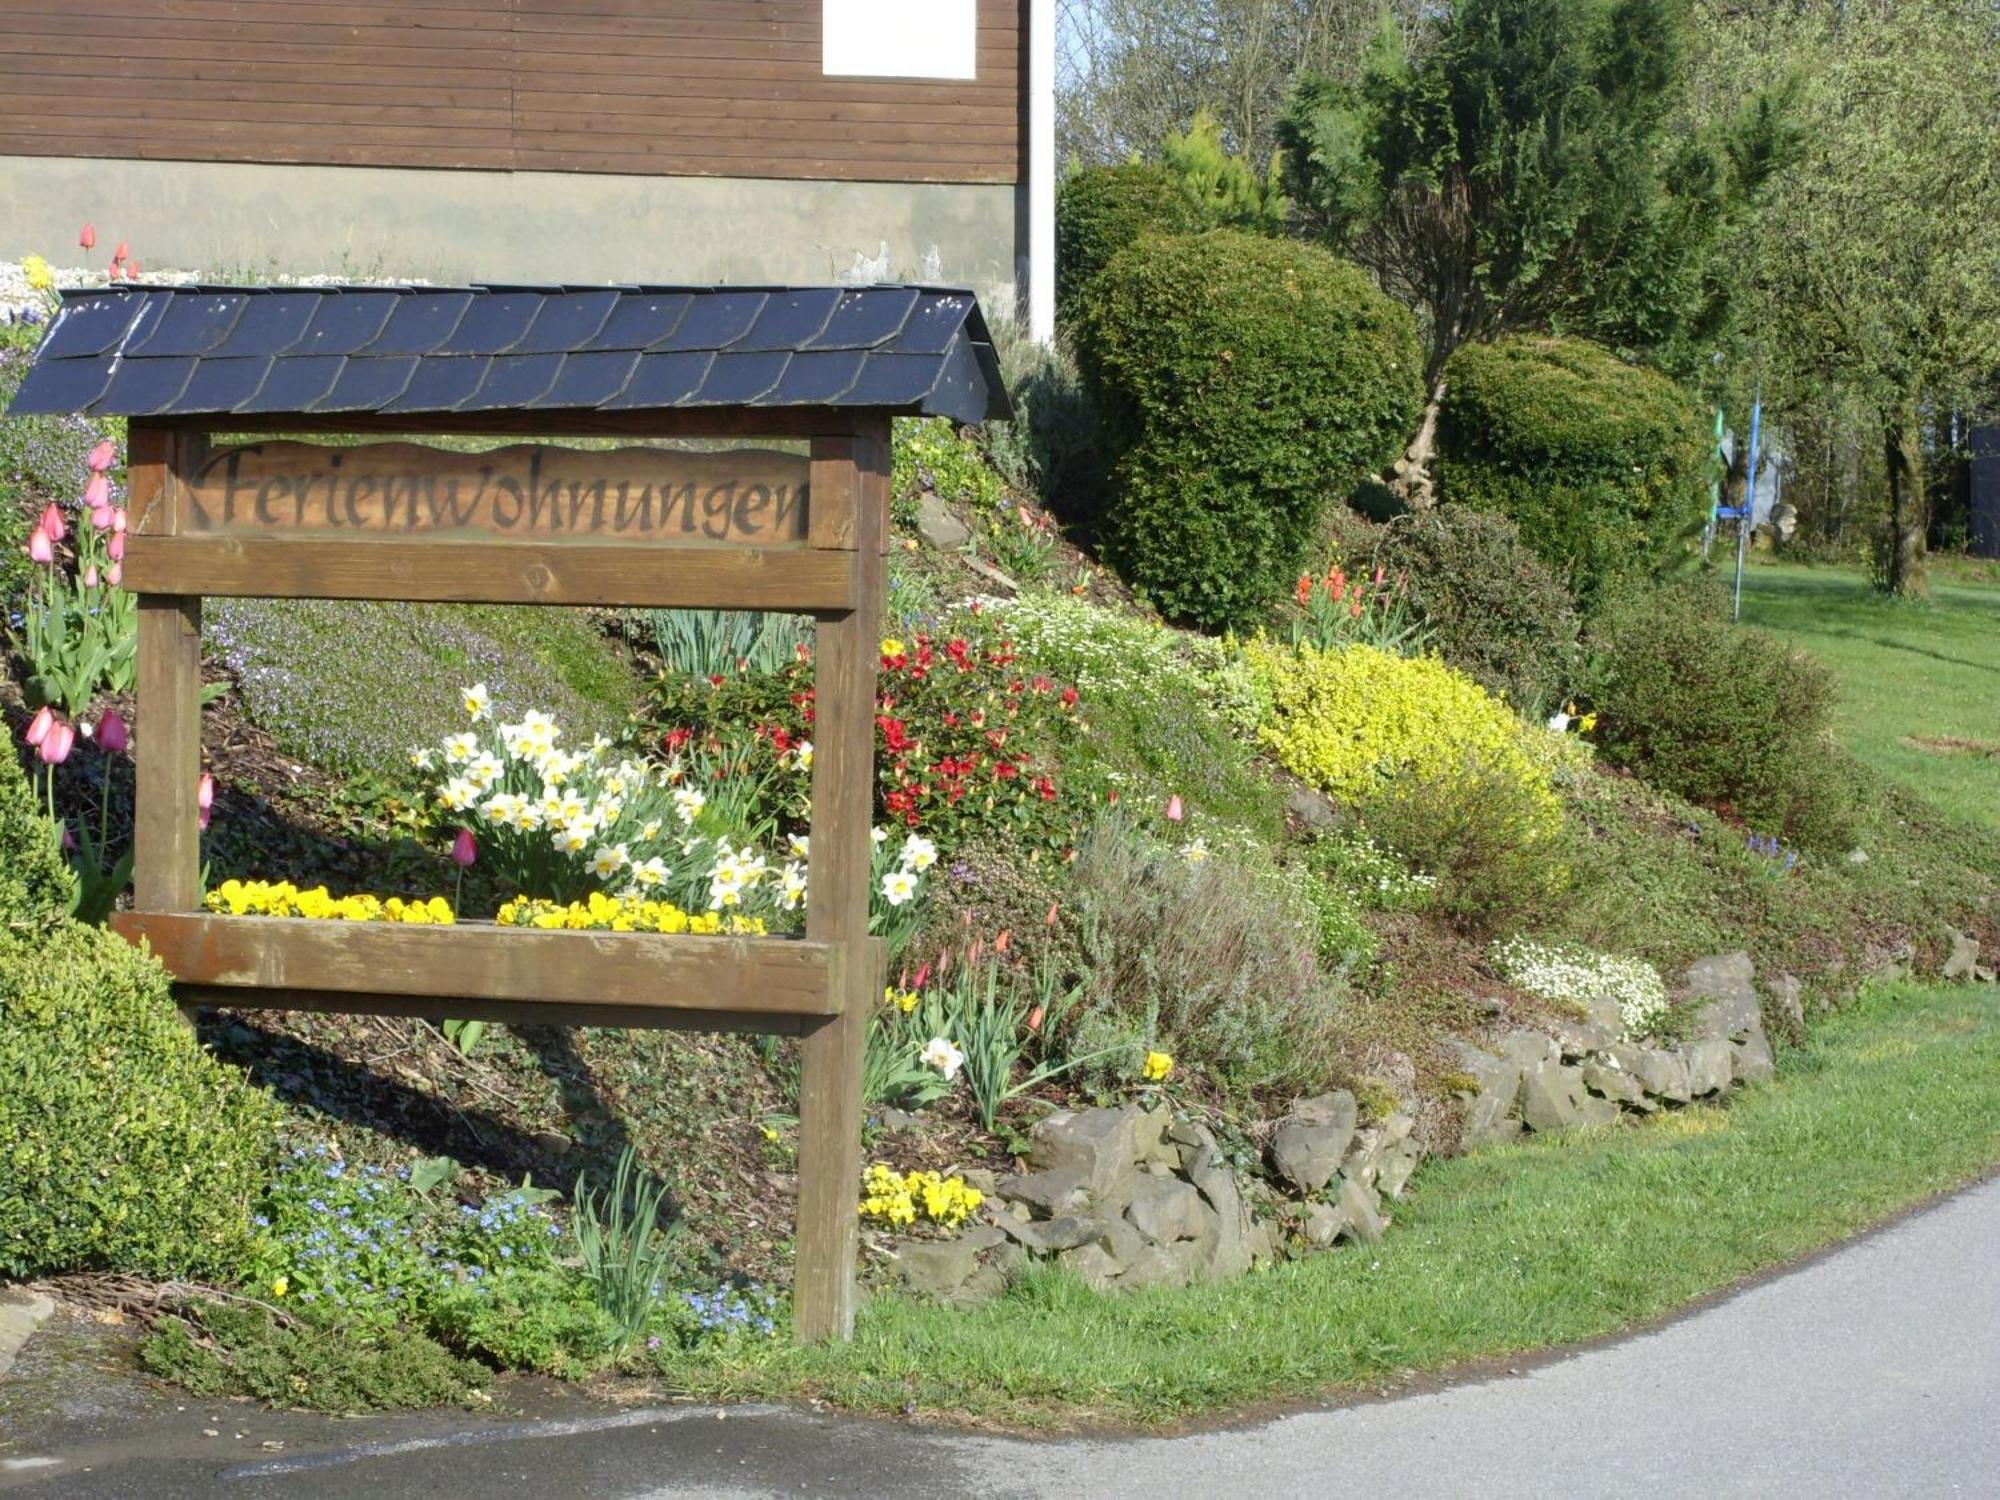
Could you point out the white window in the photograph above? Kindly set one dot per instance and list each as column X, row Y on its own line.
column 901, row 39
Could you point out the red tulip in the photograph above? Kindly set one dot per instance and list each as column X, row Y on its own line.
column 112, row 734
column 102, row 457
column 40, row 548
column 57, row 743
column 204, row 799
column 38, row 727
column 122, row 253
column 464, row 849
column 1035, row 1019
column 116, row 546
column 1052, row 914
column 115, row 574
column 97, row 493
column 1000, row 943
column 1174, row 808
column 1354, row 608
column 53, row 524
column 88, row 239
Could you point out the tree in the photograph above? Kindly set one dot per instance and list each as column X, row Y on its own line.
column 1523, row 174
column 1877, row 257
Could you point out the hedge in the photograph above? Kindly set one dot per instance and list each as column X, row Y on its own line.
column 1100, row 210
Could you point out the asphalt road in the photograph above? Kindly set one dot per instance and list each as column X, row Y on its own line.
column 1873, row 1371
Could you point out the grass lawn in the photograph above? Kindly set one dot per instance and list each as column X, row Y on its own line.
column 1512, row 1249
column 1920, row 683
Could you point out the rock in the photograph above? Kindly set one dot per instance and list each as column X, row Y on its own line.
column 1092, row 1264
column 1750, row 1058
column 1526, row 1048
column 1601, row 1026
column 1486, row 1113
column 1363, row 1213
column 1962, row 962
column 1309, row 809
column 1788, row 995
column 1155, row 1266
column 936, row 1268
column 938, row 526
column 1553, row 1099
column 1894, row 964
column 983, row 1236
column 983, row 1285
column 1397, row 1163
column 1857, row 856
column 1149, row 1134
column 1728, row 982
column 1263, row 1241
column 1230, row 1255
column 21, row 1312
column 1323, row 1223
column 898, row 1120
column 1308, row 1146
column 1121, row 1241
column 1191, row 1133
column 1710, row 1065
column 1166, row 1209
column 1603, row 1075
column 1060, row 1190
column 1663, row 1074
column 1056, row 1235
column 982, row 1179
column 1100, row 1143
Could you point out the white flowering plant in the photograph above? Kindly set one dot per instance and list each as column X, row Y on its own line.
column 1567, row 974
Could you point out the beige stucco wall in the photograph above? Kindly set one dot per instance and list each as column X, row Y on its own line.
column 227, row 218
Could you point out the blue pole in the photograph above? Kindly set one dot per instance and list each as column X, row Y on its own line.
column 1748, row 509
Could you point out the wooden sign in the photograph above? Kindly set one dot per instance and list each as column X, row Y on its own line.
column 530, row 491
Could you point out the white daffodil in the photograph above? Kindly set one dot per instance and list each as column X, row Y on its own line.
column 609, row 860
column 608, row 808
column 458, row 794
column 421, row 759
column 689, row 802
column 483, row 769
column 803, row 756
column 879, row 835
column 898, row 886
column 650, row 831
column 572, row 840
column 651, row 872
column 501, row 808
column 919, row 853
column 1559, row 722
column 940, row 1054
column 792, row 885
column 801, row 845
column 461, row 747
column 476, row 702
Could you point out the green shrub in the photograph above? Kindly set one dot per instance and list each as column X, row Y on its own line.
column 1602, row 464
column 1496, row 611
column 1049, row 449
column 1213, row 960
column 36, row 887
column 1102, row 209
column 1724, row 715
column 1241, row 384
column 123, row 1145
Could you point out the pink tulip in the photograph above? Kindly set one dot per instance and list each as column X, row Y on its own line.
column 465, row 849
column 97, row 493
column 131, row 270
column 90, row 576
column 116, row 546
column 115, row 272
column 57, row 743
column 100, row 517
column 112, row 734
column 38, row 727
column 53, row 523
column 102, row 457
column 88, row 239
column 1174, row 808
column 122, row 253
column 118, row 519
column 68, row 840
column 115, row 574
column 40, row 548
column 204, row 799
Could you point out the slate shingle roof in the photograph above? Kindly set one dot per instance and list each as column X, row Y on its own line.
column 221, row 350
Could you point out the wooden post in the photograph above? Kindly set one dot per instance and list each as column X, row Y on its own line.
column 850, row 478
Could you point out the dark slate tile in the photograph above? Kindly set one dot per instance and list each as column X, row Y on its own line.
column 60, row 385
column 421, row 322
column 191, row 323
column 589, row 380
column 641, row 320
column 740, row 379
column 569, row 320
column 441, row 382
column 867, row 316
column 223, row 384
column 272, row 323
column 295, row 384
column 715, row 320
column 933, row 324
column 790, row 320
column 817, row 378
column 142, row 387
column 346, row 321
column 662, row 380
column 893, row 380
column 961, row 392
column 515, row 380
column 369, row 383
column 92, row 323
column 494, row 323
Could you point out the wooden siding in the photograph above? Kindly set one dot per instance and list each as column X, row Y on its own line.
column 724, row 88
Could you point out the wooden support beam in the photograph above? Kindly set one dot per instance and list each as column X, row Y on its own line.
column 508, row 1012
column 847, row 654
column 633, row 971
column 467, row 572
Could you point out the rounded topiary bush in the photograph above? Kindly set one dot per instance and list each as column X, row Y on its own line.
column 1242, row 384
column 1496, row 611
column 123, row 1145
column 1100, row 210
column 1602, row 464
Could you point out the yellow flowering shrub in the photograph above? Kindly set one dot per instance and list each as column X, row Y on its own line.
column 899, row 1199
column 1347, row 720
column 266, row 898
column 602, row 913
